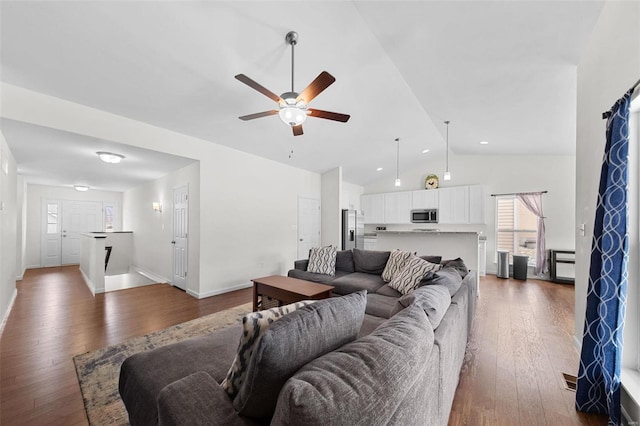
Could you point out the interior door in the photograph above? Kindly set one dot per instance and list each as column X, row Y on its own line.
column 308, row 225
column 51, row 233
column 180, row 240
column 78, row 217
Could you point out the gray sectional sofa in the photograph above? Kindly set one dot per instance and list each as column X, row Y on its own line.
column 387, row 358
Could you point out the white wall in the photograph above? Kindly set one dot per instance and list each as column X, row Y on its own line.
column 21, row 227
column 608, row 67
column 331, row 228
column 153, row 231
column 504, row 174
column 351, row 195
column 8, row 230
column 248, row 204
column 35, row 194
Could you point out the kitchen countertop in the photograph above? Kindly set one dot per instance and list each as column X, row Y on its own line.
column 426, row 231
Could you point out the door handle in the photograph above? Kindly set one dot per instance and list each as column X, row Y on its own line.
column 301, row 239
column 173, row 242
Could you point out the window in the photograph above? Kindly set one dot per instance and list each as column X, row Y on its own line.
column 109, row 217
column 516, row 228
column 52, row 218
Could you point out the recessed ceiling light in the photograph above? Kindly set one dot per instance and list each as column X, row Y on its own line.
column 379, row 169
column 484, row 143
column 424, row 151
column 110, row 157
column 81, row 188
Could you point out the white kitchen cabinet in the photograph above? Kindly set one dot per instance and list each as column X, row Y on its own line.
column 373, row 208
column 476, row 204
column 397, row 207
column 453, row 205
column 424, row 199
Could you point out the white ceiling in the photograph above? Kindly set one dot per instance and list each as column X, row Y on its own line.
column 501, row 71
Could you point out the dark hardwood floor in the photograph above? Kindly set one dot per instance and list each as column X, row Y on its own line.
column 520, row 344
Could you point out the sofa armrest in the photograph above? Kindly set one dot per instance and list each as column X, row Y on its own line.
column 197, row 400
column 301, row 264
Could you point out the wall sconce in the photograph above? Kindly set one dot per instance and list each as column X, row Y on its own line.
column 157, row 207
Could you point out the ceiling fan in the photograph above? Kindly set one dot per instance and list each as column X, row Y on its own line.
column 293, row 107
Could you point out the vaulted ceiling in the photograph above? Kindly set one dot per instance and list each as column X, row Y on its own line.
column 500, row 71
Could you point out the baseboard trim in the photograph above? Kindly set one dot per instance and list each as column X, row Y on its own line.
column 5, row 317
column 151, row 275
column 219, row 291
column 89, row 283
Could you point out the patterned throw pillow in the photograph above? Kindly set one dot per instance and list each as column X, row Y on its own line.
column 322, row 260
column 253, row 326
column 396, row 262
column 411, row 274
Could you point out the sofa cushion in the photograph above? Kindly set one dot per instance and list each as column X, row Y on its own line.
column 363, row 382
column 448, row 277
column 434, row 300
column 370, row 261
column 145, row 374
column 385, row 290
column 254, row 325
column 411, row 274
column 292, row 342
column 458, row 264
column 316, row 278
column 344, row 261
column 379, row 305
column 357, row 281
column 396, row 262
column 322, row 260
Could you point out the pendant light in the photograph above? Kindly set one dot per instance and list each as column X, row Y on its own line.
column 398, row 183
column 447, row 175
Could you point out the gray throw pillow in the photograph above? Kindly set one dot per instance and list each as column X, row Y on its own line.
column 448, row 277
column 433, row 299
column 254, row 325
column 432, row 259
column 370, row 261
column 458, row 264
column 344, row 261
column 363, row 382
column 292, row 342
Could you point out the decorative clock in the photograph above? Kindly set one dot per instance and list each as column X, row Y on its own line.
column 431, row 182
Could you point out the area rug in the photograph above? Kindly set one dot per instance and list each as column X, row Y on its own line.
column 98, row 371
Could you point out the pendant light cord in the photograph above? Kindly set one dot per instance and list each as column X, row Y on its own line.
column 397, row 158
column 447, row 123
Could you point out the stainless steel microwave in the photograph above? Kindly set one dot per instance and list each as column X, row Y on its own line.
column 424, row 216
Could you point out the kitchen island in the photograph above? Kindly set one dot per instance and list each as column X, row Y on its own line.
column 448, row 244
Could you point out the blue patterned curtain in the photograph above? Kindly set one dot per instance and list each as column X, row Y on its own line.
column 598, row 388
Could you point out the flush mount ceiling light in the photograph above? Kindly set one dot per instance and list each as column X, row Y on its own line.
column 424, row 151
column 293, row 106
column 447, row 175
column 484, row 143
column 81, row 188
column 379, row 169
column 398, row 182
column 110, row 157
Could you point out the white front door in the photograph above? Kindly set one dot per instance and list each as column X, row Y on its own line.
column 78, row 217
column 308, row 225
column 51, row 230
column 180, row 236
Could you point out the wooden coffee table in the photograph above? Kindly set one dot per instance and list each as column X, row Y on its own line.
column 287, row 290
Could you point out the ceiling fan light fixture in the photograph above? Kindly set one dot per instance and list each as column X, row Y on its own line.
column 291, row 115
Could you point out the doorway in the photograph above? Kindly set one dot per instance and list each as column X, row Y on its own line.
column 308, row 225
column 64, row 221
column 180, row 240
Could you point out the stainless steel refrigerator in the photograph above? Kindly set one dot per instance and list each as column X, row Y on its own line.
column 352, row 229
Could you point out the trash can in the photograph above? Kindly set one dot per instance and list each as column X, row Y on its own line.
column 520, row 267
column 503, row 264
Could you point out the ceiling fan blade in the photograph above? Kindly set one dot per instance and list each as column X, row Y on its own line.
column 258, row 115
column 297, row 130
column 335, row 116
column 268, row 93
column 316, row 87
